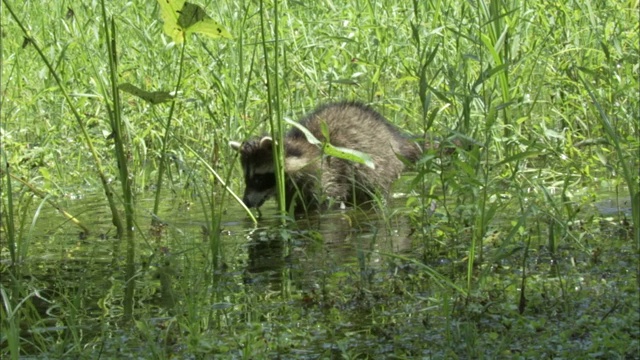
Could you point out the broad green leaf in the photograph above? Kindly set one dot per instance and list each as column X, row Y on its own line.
column 324, row 129
column 154, row 97
column 169, row 11
column 190, row 14
column 310, row 138
column 210, row 28
column 182, row 18
column 350, row 155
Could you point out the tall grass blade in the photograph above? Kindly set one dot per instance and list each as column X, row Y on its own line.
column 123, row 167
column 166, row 136
column 273, row 103
column 8, row 209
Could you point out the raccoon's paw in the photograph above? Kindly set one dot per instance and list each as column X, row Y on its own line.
column 334, row 203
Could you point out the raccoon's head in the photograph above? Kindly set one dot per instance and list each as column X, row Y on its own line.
column 256, row 156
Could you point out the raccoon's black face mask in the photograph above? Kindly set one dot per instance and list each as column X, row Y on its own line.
column 259, row 188
column 257, row 163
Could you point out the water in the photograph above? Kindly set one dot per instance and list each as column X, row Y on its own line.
column 56, row 251
column 303, row 287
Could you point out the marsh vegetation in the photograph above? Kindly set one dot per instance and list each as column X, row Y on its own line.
column 122, row 235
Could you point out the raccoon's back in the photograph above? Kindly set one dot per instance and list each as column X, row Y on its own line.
column 357, row 126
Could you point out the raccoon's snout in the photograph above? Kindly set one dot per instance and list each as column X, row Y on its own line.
column 254, row 199
column 260, row 186
column 248, row 203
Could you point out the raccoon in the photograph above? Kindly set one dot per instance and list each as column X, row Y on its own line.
column 311, row 178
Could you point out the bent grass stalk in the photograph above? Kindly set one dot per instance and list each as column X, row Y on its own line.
column 222, row 182
column 44, row 196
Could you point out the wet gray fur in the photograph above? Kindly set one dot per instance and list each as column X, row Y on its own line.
column 311, row 178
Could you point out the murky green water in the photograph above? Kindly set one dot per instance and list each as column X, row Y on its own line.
column 340, row 275
column 58, row 253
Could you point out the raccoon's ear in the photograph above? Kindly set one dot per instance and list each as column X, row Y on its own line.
column 266, row 142
column 235, row 145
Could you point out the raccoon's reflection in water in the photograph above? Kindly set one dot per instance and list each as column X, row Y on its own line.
column 354, row 242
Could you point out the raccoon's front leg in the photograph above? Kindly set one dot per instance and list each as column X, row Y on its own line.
column 336, row 181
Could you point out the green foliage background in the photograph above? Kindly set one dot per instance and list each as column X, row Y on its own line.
column 526, row 81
